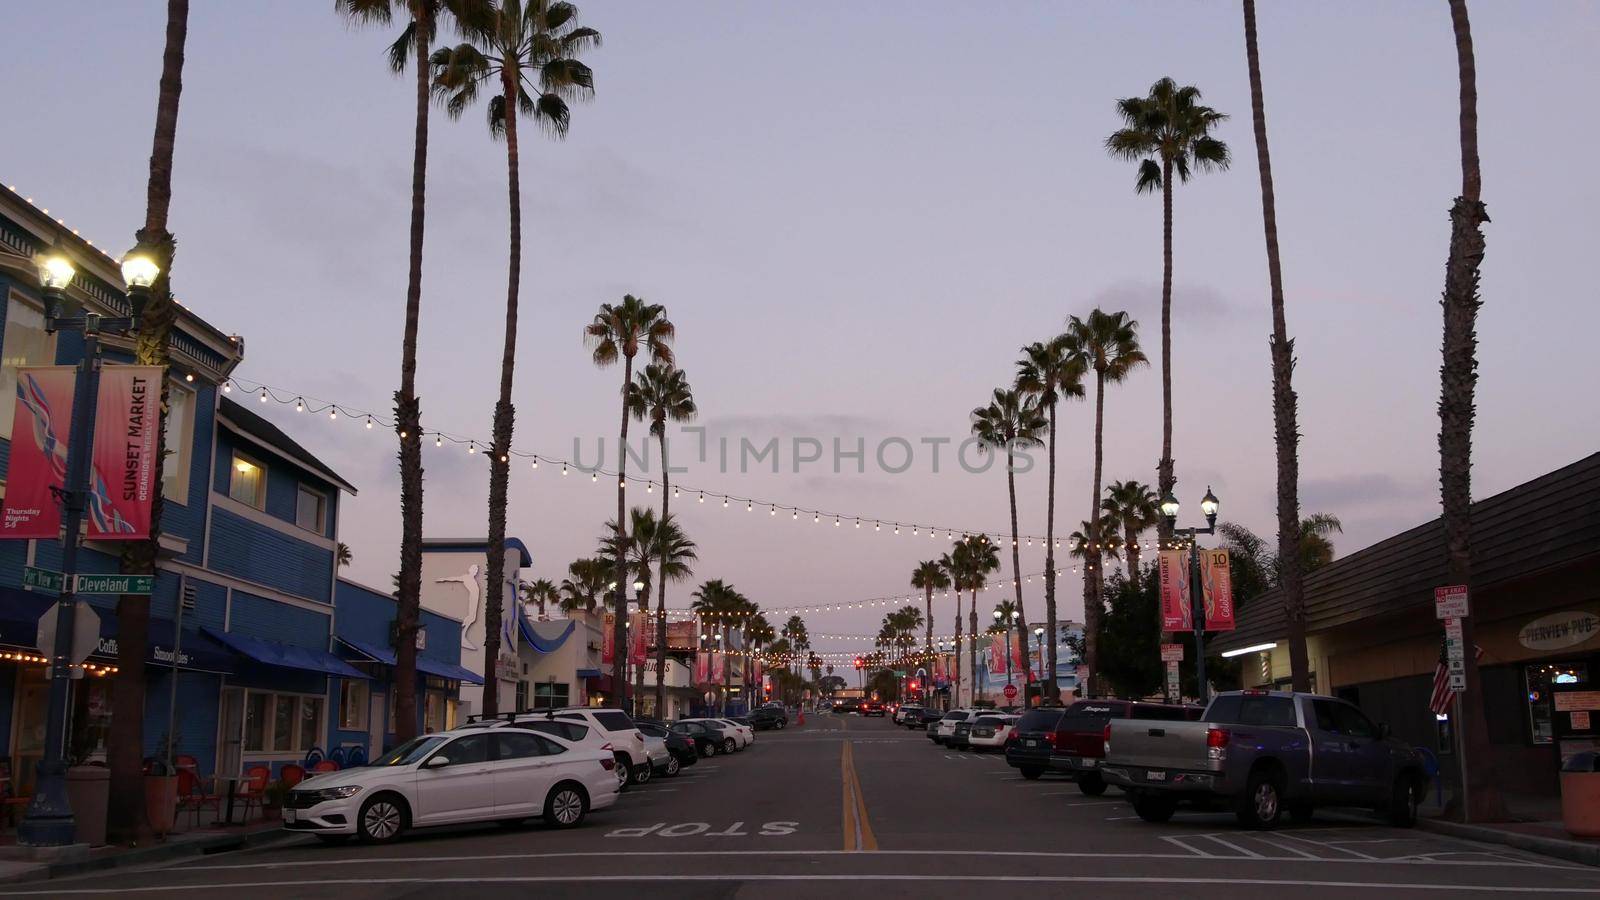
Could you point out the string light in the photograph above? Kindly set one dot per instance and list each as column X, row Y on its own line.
column 263, row 395
column 369, row 423
column 299, row 406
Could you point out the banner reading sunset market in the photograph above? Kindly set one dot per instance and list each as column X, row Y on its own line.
column 125, row 472
column 1173, row 569
column 1216, row 582
column 38, row 467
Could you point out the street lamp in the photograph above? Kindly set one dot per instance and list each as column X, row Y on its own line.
column 1197, row 612
column 1038, row 646
column 1008, row 620
column 49, row 821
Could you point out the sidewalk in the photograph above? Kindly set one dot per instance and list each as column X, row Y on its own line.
column 1536, row 828
column 16, row 864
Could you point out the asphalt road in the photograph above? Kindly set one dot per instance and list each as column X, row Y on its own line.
column 859, row 807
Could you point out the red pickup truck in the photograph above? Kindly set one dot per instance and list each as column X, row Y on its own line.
column 1071, row 741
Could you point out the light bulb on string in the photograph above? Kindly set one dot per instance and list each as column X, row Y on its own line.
column 438, row 441
column 702, row 496
column 536, row 463
column 227, row 387
column 299, row 405
column 333, row 414
column 369, row 423
column 724, row 502
column 472, row 447
column 594, row 477
column 773, row 511
column 263, row 395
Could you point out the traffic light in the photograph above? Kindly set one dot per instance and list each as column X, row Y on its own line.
column 859, row 662
column 914, row 685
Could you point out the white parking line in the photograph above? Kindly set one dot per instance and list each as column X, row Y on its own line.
column 1287, row 849
column 1330, row 845
column 1232, row 846
column 1179, row 842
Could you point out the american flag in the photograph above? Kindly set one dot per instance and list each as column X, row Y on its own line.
column 1441, row 698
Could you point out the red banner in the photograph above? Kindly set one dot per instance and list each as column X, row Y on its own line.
column 702, row 668
column 1172, row 566
column 126, row 473
column 608, row 644
column 1216, row 581
column 39, row 431
column 637, row 639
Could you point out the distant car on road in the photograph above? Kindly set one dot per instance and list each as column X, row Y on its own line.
column 958, row 737
column 873, row 708
column 765, row 717
column 846, row 706
column 1261, row 752
column 708, row 740
column 928, row 717
column 907, row 712
column 943, row 730
column 681, row 747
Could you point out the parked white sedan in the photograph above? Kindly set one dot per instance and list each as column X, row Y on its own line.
column 468, row 775
column 990, row 732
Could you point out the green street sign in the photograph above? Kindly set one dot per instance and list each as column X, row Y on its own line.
column 43, row 580
column 116, row 584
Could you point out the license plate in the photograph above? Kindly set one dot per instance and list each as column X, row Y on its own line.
column 288, row 815
column 1155, row 775
column 1031, row 743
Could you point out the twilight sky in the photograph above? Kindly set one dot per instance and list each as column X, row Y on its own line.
column 856, row 214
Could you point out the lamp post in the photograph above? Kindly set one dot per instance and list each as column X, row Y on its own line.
column 638, row 675
column 1038, row 647
column 1009, row 621
column 48, row 821
column 1197, row 604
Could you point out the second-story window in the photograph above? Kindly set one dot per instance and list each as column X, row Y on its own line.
column 247, row 482
column 311, row 510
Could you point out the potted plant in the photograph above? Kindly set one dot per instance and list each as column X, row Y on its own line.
column 88, row 790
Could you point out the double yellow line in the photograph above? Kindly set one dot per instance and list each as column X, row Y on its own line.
column 858, row 834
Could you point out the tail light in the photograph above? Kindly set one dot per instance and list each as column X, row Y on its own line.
column 607, row 747
column 1105, row 741
column 1217, row 743
column 608, row 763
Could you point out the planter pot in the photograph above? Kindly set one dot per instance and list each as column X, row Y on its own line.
column 89, row 792
column 161, row 801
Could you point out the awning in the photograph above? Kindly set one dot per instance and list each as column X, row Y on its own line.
column 287, row 656
column 541, row 643
column 434, row 667
column 19, row 627
column 19, row 616
column 588, row 673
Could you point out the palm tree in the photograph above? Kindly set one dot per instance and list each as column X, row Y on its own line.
column 795, row 631
column 532, row 52
column 127, row 819
column 1130, row 506
column 674, row 553
column 540, row 593
column 722, row 605
column 619, row 331
column 1168, row 132
column 661, row 393
column 982, row 557
column 1011, row 422
column 1080, row 546
column 585, row 582
column 1108, row 343
column 1285, row 427
column 956, row 566
column 758, row 633
column 341, row 554
column 1050, row 371
column 930, row 576
column 1316, row 550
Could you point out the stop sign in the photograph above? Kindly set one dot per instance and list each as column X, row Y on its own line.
column 1010, row 692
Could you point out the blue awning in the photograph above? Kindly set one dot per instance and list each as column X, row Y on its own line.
column 434, row 667
column 541, row 643
column 287, row 656
column 19, row 627
column 588, row 673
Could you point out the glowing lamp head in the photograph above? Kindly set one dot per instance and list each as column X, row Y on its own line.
column 638, row 586
column 139, row 270
column 1169, row 507
column 55, row 272
column 1209, row 505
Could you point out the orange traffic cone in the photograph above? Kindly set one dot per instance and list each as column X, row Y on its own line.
column 802, row 716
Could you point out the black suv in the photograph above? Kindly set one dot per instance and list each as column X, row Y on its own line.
column 765, row 717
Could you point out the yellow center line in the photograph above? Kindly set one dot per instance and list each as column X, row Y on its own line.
column 857, row 827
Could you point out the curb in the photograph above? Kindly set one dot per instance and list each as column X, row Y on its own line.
column 221, row 843
column 1573, row 851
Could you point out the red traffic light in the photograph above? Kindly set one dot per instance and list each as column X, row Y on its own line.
column 859, row 663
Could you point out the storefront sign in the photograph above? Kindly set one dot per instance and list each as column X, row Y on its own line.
column 1216, row 589
column 506, row 668
column 1580, row 720
column 38, row 466
column 1171, row 653
column 126, row 472
column 1572, row 701
column 1450, row 602
column 1172, row 567
column 1559, row 630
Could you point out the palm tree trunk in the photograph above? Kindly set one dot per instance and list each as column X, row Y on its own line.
column 1052, row 690
column 661, row 594
column 727, row 670
column 955, row 691
column 1286, row 432
column 972, row 644
column 928, row 632
column 126, row 819
column 1130, row 550
column 408, row 425
column 1165, row 479
column 1459, row 377
column 619, row 631
column 1016, row 573
column 504, row 418
column 1092, row 611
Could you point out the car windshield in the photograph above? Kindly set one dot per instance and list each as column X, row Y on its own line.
column 410, row 751
column 955, row 716
column 1039, row 720
column 989, row 721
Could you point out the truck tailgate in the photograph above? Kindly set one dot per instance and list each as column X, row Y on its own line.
column 1168, row 745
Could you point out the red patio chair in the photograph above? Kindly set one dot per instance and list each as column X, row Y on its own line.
column 255, row 790
column 326, row 765
column 292, row 774
column 192, row 796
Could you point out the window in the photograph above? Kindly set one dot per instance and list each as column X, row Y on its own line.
column 522, row 696
column 512, row 745
column 549, row 695
column 281, row 723
column 311, row 510
column 550, row 748
column 614, row 720
column 1352, row 722
column 474, row 748
column 247, row 481
column 25, row 344
column 433, row 712
column 180, row 441
column 1246, row 709
column 353, row 704
column 409, row 752
column 1158, row 711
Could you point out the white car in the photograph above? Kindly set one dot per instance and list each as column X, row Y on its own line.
column 946, row 728
column 467, row 775
column 745, row 733
column 989, row 732
column 731, row 738
column 573, row 732
column 661, row 759
column 616, row 725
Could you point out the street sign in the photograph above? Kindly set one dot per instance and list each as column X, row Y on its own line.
column 115, row 584
column 85, row 631
column 1171, row 653
column 43, row 580
column 1174, row 691
column 1450, row 602
column 1010, row 691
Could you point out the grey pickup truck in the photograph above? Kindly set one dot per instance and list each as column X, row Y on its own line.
column 1260, row 753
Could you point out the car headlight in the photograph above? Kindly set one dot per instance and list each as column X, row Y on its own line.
column 337, row 793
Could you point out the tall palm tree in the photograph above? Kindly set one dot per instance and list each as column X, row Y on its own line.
column 758, row 634
column 127, row 819
column 1316, row 550
column 540, row 593
column 719, row 603
column 661, row 393
column 1458, row 384
column 1079, row 546
column 620, row 331
column 1285, row 415
column 1107, row 343
column 532, row 52
column 640, row 542
column 930, row 576
column 585, row 582
column 1051, row 371
column 982, row 557
column 1012, row 422
column 795, row 630
column 1130, row 506
column 674, row 553
column 1168, row 132
column 956, row 566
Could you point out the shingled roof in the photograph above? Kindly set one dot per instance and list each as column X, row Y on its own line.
column 1548, row 523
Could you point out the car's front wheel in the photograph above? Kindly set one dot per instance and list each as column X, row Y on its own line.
column 673, row 765
column 1403, row 803
column 1031, row 773
column 640, row 774
column 729, row 745
column 382, row 819
column 566, row 805
column 781, row 724
column 1092, row 785
column 708, row 749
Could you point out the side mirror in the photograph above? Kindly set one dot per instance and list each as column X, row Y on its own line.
column 1384, row 732
column 436, row 762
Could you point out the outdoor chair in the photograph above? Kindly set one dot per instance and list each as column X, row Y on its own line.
column 192, row 796
column 326, row 765
column 255, row 790
column 292, row 775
